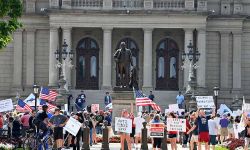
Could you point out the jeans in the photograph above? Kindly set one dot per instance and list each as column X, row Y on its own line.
column 91, row 135
column 1, row 131
column 185, row 138
column 180, row 106
column 98, row 129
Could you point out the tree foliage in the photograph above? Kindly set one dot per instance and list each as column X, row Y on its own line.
column 10, row 11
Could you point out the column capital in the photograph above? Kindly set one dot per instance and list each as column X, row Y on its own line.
column 188, row 29
column 54, row 29
column 107, row 28
column 201, row 30
column 148, row 29
column 237, row 33
column 18, row 31
column 66, row 28
column 224, row 33
column 30, row 30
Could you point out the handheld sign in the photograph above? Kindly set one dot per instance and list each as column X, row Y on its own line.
column 205, row 102
column 157, row 130
column 123, row 125
column 94, row 108
column 72, row 126
column 175, row 124
column 6, row 105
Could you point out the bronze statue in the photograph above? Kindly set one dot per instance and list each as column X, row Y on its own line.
column 123, row 59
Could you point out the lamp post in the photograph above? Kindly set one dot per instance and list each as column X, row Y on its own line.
column 216, row 93
column 36, row 91
column 193, row 56
column 64, row 59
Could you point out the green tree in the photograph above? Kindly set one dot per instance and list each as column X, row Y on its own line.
column 10, row 11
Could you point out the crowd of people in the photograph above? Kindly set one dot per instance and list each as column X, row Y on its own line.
column 210, row 129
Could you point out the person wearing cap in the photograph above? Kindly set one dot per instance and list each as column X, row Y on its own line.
column 57, row 122
column 224, row 122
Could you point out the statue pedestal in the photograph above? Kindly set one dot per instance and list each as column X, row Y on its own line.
column 122, row 100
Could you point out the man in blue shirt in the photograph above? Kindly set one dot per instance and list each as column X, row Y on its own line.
column 107, row 99
column 80, row 101
column 180, row 100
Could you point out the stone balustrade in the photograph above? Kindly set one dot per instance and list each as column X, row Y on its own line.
column 127, row 4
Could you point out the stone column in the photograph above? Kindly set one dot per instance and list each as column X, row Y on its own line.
column 188, row 38
column 147, row 59
column 224, row 59
column 30, row 54
column 107, row 57
column 201, row 71
column 67, row 37
column 237, row 60
column 18, row 58
column 53, row 76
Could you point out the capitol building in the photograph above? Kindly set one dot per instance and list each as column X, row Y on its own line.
column 156, row 31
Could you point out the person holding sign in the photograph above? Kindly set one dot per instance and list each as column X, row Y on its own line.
column 157, row 141
column 202, row 123
column 125, row 136
column 172, row 135
column 57, row 122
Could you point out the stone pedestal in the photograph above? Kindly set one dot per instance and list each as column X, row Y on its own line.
column 122, row 100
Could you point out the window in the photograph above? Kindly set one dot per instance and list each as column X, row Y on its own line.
column 93, row 66
column 172, row 67
column 161, row 67
column 82, row 67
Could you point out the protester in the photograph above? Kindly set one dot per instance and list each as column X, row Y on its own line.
column 224, row 130
column 172, row 135
column 80, row 101
column 25, row 123
column 194, row 133
column 76, row 144
column 16, row 128
column 150, row 96
column 107, row 99
column 1, row 124
column 57, row 122
column 230, row 127
column 125, row 136
column 213, row 131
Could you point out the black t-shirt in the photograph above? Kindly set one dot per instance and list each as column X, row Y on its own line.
column 41, row 116
column 31, row 122
column 195, row 131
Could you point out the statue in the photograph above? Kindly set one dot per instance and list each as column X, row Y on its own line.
column 123, row 59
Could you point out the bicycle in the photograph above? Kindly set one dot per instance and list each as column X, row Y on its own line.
column 29, row 142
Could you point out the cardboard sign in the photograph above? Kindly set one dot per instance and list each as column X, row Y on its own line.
column 72, row 126
column 246, row 107
column 178, row 110
column 6, row 105
column 205, row 102
column 175, row 124
column 123, row 125
column 157, row 130
column 94, row 108
column 173, row 106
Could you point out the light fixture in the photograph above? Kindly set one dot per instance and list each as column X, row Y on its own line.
column 36, row 89
column 216, row 91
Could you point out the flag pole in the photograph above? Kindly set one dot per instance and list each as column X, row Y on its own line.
column 135, row 100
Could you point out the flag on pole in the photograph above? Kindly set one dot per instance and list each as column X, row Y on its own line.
column 22, row 105
column 50, row 106
column 47, row 94
column 142, row 100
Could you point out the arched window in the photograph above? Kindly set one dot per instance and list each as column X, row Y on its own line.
column 167, row 53
column 87, row 65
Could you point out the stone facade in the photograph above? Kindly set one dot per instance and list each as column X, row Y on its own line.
column 222, row 37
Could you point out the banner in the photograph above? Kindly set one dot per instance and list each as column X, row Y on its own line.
column 123, row 125
column 94, row 108
column 175, row 111
column 72, row 126
column 6, row 105
column 173, row 106
column 157, row 130
column 224, row 109
column 205, row 102
column 246, row 107
column 175, row 124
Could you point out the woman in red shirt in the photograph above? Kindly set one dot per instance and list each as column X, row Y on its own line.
column 172, row 135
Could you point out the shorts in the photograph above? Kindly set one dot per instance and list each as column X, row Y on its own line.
column 58, row 133
column 157, row 142
column 203, row 137
column 172, row 136
column 212, row 140
column 133, row 132
column 224, row 132
column 194, row 138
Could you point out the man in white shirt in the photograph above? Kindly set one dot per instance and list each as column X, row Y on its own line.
column 213, row 131
column 138, row 126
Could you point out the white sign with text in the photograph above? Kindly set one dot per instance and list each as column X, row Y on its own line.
column 72, row 126
column 6, row 105
column 205, row 102
column 123, row 125
column 175, row 124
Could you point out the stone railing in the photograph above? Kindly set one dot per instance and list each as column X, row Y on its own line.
column 130, row 4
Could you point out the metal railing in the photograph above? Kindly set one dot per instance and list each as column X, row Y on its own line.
column 87, row 4
column 169, row 4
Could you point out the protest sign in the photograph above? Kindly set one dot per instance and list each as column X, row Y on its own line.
column 178, row 110
column 94, row 108
column 175, row 124
column 157, row 130
column 72, row 126
column 123, row 125
column 6, row 105
column 246, row 107
column 224, row 109
column 205, row 102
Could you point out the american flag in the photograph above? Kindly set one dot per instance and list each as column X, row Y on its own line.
column 47, row 94
column 50, row 106
column 22, row 106
column 143, row 100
